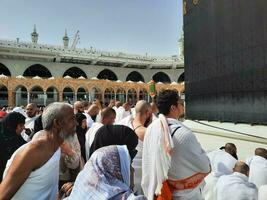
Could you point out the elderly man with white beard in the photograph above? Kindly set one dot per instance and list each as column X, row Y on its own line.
column 33, row 170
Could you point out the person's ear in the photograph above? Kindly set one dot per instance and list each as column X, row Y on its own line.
column 57, row 124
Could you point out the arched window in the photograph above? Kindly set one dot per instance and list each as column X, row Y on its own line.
column 107, row 74
column 81, row 94
column 161, row 77
column 75, row 72
column 37, row 96
column 135, row 77
column 121, row 95
column 68, row 95
column 37, row 70
column 132, row 96
column 143, row 95
column 181, row 78
column 52, row 95
column 95, row 93
column 4, row 70
column 108, row 95
column 3, row 96
column 21, row 96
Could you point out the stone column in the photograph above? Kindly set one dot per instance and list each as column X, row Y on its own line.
column 103, row 96
column 89, row 97
column 45, row 98
column 75, row 97
column 60, row 96
column 126, row 97
column 10, row 98
column 28, row 97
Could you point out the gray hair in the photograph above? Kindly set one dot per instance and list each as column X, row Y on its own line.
column 53, row 111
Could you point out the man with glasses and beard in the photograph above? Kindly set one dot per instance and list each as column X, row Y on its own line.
column 139, row 123
column 173, row 162
column 33, row 170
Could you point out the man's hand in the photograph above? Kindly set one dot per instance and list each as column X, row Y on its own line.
column 66, row 189
column 66, row 149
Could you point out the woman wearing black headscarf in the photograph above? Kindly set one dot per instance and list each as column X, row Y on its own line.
column 10, row 139
column 115, row 135
column 81, row 129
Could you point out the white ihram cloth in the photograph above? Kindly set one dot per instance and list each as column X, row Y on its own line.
column 137, row 161
column 170, row 158
column 20, row 110
column 29, row 123
column 121, row 113
column 235, row 187
column 90, row 136
column 127, row 121
column 262, row 193
column 89, row 120
column 222, row 163
column 258, row 171
column 137, row 165
column 42, row 184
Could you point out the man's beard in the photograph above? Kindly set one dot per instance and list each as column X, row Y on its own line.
column 148, row 121
column 66, row 137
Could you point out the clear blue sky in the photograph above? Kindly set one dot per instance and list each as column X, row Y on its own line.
column 131, row 26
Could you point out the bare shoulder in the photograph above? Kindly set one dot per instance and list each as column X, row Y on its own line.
column 35, row 153
column 140, row 132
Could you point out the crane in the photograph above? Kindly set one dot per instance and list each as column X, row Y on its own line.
column 75, row 41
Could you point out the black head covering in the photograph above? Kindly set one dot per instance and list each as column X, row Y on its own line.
column 115, row 135
column 79, row 118
column 9, row 140
column 38, row 125
column 11, row 121
column 81, row 133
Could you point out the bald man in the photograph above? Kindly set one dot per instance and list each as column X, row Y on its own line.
column 78, row 107
column 91, row 114
column 108, row 116
column 31, row 112
column 258, row 167
column 236, row 186
column 142, row 118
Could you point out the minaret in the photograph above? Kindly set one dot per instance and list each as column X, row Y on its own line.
column 34, row 35
column 181, row 46
column 66, row 40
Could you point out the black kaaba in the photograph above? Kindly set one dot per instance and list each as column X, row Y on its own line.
column 226, row 60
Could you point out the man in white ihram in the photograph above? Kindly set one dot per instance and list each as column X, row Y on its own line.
column 236, row 186
column 222, row 163
column 258, row 167
column 33, row 170
column 173, row 162
column 142, row 118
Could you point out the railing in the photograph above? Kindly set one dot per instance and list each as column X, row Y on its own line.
column 91, row 53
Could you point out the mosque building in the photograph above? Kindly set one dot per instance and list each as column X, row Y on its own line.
column 41, row 73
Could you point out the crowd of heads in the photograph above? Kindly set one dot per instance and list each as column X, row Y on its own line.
column 112, row 142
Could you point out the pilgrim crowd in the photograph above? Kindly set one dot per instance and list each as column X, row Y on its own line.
column 119, row 152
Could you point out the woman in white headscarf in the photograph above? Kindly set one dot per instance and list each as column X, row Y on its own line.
column 105, row 176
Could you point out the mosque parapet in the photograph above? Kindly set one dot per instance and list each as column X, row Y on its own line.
column 62, row 54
